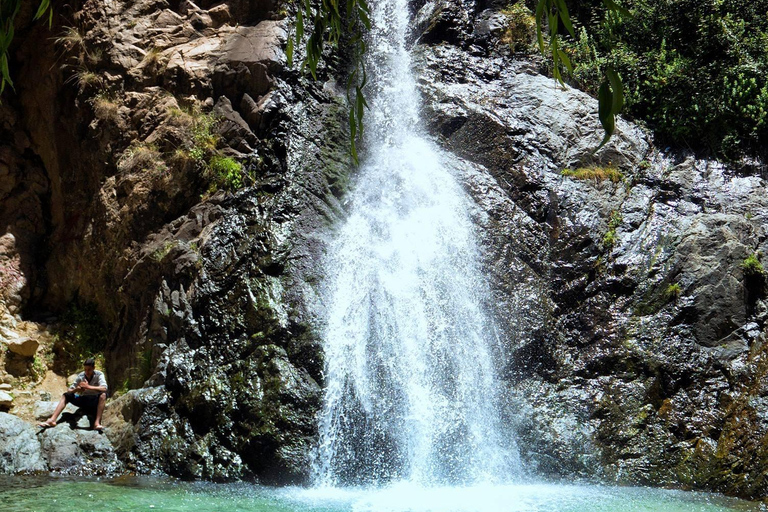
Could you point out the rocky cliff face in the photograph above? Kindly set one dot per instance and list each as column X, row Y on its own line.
column 635, row 339
column 636, row 334
column 111, row 200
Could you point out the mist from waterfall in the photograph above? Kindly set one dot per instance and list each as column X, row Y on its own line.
column 411, row 390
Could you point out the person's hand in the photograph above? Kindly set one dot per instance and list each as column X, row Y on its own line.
column 83, row 385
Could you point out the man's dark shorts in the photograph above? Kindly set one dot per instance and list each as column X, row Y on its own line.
column 85, row 402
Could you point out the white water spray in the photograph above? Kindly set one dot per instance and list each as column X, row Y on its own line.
column 411, row 389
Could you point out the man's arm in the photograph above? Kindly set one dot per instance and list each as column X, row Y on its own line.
column 101, row 384
column 75, row 385
column 85, row 385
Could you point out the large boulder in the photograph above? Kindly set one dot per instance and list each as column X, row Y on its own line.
column 25, row 347
column 77, row 451
column 20, row 450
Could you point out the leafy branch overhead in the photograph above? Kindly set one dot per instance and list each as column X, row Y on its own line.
column 553, row 13
column 9, row 9
column 328, row 22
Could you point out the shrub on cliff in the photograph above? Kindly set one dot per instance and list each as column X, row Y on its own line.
column 695, row 70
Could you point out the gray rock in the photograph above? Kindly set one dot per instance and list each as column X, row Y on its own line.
column 43, row 409
column 78, row 451
column 20, row 450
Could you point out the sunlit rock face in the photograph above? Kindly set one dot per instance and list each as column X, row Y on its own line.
column 633, row 348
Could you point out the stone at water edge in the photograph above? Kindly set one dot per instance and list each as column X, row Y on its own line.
column 78, row 452
column 6, row 400
column 20, row 450
column 25, row 347
column 5, row 387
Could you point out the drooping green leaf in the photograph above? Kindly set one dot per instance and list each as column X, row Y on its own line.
column 617, row 88
column 562, row 11
column 360, row 104
column 299, row 25
column 540, row 11
column 289, row 52
column 605, row 112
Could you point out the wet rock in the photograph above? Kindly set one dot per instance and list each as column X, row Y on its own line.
column 627, row 318
column 20, row 450
column 78, row 452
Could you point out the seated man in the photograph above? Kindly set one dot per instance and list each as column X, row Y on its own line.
column 89, row 392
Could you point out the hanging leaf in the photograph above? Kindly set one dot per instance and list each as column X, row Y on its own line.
column 564, row 58
column 299, row 25
column 562, row 10
column 289, row 52
column 617, row 89
column 540, row 11
column 605, row 112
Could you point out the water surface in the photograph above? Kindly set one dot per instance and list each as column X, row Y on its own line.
column 43, row 494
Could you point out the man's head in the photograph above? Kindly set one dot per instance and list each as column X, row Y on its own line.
column 89, row 366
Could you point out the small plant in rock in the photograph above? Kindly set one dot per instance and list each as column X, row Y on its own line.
column 198, row 127
column 160, row 253
column 71, row 39
column 594, row 173
column 153, row 60
column 106, row 108
column 142, row 157
column 609, row 240
column 520, row 32
column 752, row 266
column 39, row 367
column 673, row 291
column 84, row 78
column 226, row 173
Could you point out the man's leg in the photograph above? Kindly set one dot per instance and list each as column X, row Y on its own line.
column 100, row 409
column 51, row 422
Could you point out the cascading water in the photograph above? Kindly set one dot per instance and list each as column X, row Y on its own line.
column 411, row 391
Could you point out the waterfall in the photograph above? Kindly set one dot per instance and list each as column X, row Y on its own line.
column 411, row 392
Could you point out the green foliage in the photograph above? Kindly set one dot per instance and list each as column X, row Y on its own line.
column 331, row 23
column 8, row 11
column 673, row 291
column 160, row 253
column 694, row 70
column 226, row 173
column 39, row 367
column 609, row 240
column 610, row 93
column 521, row 27
column 594, row 173
column 752, row 266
